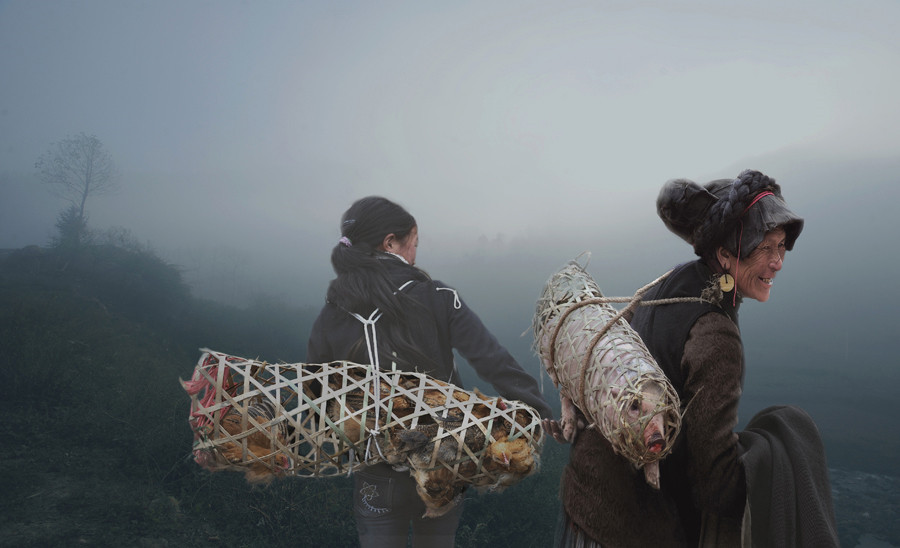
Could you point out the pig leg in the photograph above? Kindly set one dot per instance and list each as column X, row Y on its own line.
column 569, row 420
column 654, row 434
column 651, row 474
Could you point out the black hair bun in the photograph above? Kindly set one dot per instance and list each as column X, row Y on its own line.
column 718, row 213
column 684, row 206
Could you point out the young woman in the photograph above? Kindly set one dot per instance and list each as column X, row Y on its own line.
column 383, row 310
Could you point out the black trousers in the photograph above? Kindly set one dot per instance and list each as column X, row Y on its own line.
column 386, row 505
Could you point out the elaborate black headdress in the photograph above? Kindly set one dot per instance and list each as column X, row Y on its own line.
column 724, row 211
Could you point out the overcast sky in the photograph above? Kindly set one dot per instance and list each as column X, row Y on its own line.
column 543, row 128
column 519, row 134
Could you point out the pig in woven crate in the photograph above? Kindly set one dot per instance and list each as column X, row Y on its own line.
column 603, row 369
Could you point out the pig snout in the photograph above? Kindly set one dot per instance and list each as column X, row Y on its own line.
column 656, row 443
column 655, row 429
column 653, row 434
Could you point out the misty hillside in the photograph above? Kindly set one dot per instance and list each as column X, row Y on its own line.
column 519, row 135
column 92, row 343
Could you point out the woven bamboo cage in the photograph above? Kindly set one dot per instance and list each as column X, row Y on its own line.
column 601, row 364
column 320, row 420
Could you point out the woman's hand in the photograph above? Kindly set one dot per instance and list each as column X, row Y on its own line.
column 554, row 428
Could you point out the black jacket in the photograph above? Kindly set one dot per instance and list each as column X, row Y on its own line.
column 449, row 324
column 699, row 348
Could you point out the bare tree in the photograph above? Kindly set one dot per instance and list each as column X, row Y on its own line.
column 76, row 168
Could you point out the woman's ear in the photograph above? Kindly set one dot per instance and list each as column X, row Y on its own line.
column 723, row 256
column 388, row 242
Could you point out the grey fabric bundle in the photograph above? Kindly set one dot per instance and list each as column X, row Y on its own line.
column 788, row 489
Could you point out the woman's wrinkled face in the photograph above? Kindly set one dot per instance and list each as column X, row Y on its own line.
column 755, row 275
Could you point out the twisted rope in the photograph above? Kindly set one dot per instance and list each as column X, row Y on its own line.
column 603, row 344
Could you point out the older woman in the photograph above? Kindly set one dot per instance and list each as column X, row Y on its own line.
column 740, row 229
column 382, row 309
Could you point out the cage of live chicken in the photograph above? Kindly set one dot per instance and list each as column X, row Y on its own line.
column 318, row 420
column 602, row 367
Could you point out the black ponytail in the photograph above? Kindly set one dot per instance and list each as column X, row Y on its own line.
column 364, row 284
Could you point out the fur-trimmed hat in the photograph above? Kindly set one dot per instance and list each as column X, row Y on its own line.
column 725, row 210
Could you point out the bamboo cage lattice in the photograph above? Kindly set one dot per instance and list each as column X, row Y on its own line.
column 601, row 364
column 320, row 420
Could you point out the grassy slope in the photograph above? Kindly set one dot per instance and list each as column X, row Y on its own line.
column 96, row 444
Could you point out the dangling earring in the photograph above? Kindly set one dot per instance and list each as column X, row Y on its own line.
column 726, row 282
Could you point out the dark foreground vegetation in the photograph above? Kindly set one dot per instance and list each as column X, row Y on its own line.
column 95, row 441
column 96, row 447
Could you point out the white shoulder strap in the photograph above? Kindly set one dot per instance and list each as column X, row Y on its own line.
column 374, row 370
column 457, row 304
column 369, row 328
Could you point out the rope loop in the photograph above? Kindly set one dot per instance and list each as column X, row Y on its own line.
column 598, row 341
column 373, row 376
column 457, row 304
